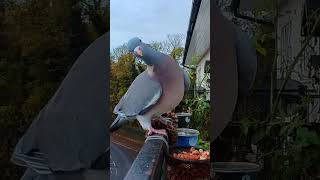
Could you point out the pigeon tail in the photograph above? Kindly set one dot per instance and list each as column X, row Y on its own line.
column 117, row 123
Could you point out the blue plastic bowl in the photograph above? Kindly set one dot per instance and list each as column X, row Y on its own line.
column 187, row 137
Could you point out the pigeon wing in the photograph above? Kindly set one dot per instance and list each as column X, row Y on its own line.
column 142, row 95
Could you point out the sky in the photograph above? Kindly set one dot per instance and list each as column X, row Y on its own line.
column 150, row 20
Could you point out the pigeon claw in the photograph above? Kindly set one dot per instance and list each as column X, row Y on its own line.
column 152, row 131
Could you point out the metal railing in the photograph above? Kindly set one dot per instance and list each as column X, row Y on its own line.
column 150, row 163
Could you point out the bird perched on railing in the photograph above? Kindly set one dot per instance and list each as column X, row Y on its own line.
column 159, row 89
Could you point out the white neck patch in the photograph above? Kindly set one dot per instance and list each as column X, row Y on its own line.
column 150, row 70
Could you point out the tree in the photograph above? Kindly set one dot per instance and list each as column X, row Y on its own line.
column 121, row 76
column 97, row 12
column 40, row 40
column 119, row 52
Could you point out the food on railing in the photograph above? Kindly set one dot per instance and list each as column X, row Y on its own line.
column 171, row 115
column 171, row 130
column 193, row 154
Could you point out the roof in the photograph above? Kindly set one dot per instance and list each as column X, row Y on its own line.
column 192, row 21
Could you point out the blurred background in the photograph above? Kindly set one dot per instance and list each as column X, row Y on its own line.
column 39, row 42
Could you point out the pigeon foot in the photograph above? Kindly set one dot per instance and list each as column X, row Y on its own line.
column 157, row 131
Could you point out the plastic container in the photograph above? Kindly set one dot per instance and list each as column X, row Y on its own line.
column 184, row 120
column 169, row 121
column 235, row 170
column 187, row 137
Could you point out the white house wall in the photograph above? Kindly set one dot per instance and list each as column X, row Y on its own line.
column 289, row 44
column 200, row 40
column 289, row 35
column 201, row 76
column 291, row 16
column 201, row 68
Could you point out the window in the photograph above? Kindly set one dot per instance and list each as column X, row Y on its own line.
column 286, row 48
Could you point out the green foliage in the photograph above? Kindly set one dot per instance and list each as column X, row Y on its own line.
column 298, row 156
column 122, row 73
column 306, row 137
column 177, row 53
column 200, row 109
column 40, row 40
column 198, row 105
column 262, row 41
column 203, row 144
column 288, row 143
column 98, row 14
column 260, row 49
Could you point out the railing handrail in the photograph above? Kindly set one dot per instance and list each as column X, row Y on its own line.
column 150, row 163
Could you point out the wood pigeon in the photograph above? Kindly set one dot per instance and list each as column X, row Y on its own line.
column 159, row 89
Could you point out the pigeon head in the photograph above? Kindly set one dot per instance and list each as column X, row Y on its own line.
column 143, row 51
column 133, row 43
